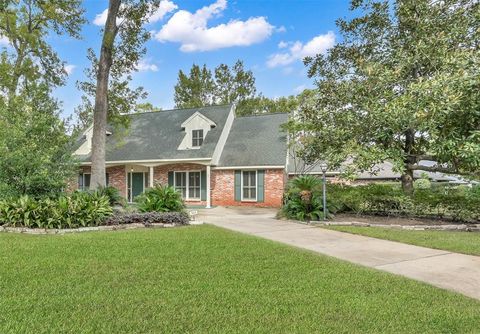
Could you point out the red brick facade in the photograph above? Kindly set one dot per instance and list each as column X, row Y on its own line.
column 222, row 184
column 116, row 178
column 223, row 189
column 160, row 175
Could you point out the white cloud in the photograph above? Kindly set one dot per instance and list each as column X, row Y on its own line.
column 298, row 50
column 101, row 18
column 282, row 45
column 166, row 6
column 145, row 66
column 69, row 68
column 281, row 29
column 192, row 31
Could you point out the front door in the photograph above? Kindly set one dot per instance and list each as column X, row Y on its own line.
column 137, row 183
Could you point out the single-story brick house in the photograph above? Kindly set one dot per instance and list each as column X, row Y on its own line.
column 208, row 154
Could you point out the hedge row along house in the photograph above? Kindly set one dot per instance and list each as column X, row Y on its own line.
column 210, row 156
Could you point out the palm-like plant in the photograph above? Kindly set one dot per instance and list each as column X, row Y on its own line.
column 160, row 199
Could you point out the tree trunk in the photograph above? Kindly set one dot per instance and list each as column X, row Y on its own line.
column 407, row 177
column 407, row 182
column 101, row 97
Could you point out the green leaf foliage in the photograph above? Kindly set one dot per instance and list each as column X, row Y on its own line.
column 160, row 199
column 401, row 85
column 79, row 209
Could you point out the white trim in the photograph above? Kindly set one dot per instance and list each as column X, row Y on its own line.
column 187, row 176
column 150, row 176
column 256, row 187
column 88, row 163
column 130, row 173
column 209, row 205
column 249, row 167
column 202, row 116
column 222, row 140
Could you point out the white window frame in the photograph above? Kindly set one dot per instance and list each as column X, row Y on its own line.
column 129, row 180
column 187, row 183
column 197, row 138
column 256, row 186
column 83, row 181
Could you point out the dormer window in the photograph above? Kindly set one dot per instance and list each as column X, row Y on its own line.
column 197, row 138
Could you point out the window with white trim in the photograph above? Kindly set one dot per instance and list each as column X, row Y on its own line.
column 197, row 138
column 84, row 181
column 249, row 185
column 188, row 184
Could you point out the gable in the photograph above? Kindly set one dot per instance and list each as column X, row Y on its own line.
column 195, row 122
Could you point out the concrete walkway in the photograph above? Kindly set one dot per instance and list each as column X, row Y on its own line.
column 452, row 271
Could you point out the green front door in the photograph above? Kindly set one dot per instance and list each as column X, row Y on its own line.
column 137, row 184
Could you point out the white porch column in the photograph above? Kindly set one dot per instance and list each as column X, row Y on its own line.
column 208, row 187
column 150, row 175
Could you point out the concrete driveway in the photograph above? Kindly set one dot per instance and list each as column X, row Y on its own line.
column 452, row 271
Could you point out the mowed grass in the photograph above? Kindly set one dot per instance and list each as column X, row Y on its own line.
column 203, row 279
column 460, row 242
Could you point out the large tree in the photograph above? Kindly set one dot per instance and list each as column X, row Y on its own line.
column 27, row 25
column 122, row 46
column 35, row 156
column 201, row 88
column 403, row 85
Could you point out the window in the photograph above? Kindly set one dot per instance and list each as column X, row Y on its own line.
column 197, row 138
column 181, row 183
column 249, row 185
column 84, row 180
column 194, row 185
column 188, row 184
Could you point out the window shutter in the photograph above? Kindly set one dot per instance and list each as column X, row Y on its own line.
column 238, row 185
column 261, row 185
column 170, row 179
column 203, row 185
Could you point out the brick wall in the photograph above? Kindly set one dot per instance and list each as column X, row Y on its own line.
column 160, row 175
column 116, row 178
column 223, row 189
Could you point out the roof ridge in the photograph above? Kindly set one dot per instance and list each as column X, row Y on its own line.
column 264, row 114
column 179, row 109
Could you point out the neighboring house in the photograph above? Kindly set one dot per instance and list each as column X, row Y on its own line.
column 210, row 156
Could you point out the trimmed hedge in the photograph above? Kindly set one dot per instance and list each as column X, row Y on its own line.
column 147, row 218
column 458, row 203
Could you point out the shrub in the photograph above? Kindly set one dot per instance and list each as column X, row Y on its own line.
column 147, row 218
column 453, row 202
column 303, row 198
column 113, row 195
column 422, row 184
column 160, row 199
column 76, row 210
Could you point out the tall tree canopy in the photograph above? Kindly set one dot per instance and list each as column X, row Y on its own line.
column 403, row 86
column 35, row 155
column 27, row 24
column 122, row 46
column 202, row 88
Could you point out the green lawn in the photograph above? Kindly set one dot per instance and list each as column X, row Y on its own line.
column 209, row 280
column 460, row 242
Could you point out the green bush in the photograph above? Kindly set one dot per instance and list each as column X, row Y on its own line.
column 79, row 209
column 459, row 203
column 160, row 199
column 303, row 199
column 113, row 195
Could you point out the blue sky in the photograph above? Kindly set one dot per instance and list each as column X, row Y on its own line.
column 270, row 37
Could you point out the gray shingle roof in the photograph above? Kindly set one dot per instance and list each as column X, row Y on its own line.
column 157, row 135
column 256, row 141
